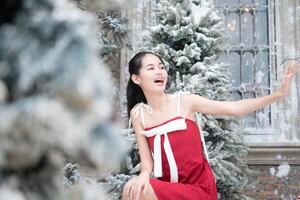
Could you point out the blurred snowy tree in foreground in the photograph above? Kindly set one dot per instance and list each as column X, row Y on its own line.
column 54, row 105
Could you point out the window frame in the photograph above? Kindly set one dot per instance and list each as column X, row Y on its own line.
column 254, row 132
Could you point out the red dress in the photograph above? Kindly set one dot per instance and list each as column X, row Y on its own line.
column 195, row 178
column 181, row 169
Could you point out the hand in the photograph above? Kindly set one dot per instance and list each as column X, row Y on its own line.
column 290, row 71
column 137, row 184
column 298, row 198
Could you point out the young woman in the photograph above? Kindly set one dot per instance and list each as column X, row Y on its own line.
column 168, row 137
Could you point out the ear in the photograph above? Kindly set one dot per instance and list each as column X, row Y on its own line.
column 136, row 79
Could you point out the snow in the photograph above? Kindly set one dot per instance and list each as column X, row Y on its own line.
column 259, row 77
column 272, row 171
column 283, row 170
column 200, row 11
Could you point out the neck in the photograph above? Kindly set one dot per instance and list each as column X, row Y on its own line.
column 157, row 101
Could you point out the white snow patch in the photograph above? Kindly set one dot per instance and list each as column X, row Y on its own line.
column 259, row 77
column 198, row 13
column 283, row 170
column 272, row 171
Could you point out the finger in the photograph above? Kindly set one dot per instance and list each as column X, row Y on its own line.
column 293, row 69
column 127, row 192
column 293, row 66
column 138, row 191
column 286, row 70
column 135, row 191
column 145, row 188
column 132, row 191
column 289, row 72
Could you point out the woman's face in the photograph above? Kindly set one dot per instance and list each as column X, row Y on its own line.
column 153, row 75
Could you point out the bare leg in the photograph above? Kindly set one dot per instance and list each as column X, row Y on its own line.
column 150, row 194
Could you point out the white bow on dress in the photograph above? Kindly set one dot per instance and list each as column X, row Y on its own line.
column 165, row 129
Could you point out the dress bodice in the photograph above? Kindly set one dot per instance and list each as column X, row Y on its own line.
column 173, row 125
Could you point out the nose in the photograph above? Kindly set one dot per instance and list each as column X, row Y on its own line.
column 158, row 70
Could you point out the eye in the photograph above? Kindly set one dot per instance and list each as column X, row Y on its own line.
column 162, row 67
column 150, row 68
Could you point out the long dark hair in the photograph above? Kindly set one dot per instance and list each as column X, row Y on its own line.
column 134, row 92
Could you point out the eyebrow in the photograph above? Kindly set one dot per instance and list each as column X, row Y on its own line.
column 153, row 64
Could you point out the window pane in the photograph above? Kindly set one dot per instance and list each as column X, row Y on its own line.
column 262, row 2
column 246, row 2
column 234, row 3
column 248, row 68
column 261, row 21
column 263, row 72
column 263, row 117
column 233, row 29
column 247, row 28
column 236, row 95
column 250, row 120
column 234, row 61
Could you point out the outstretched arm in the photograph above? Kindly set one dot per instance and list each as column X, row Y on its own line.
column 242, row 107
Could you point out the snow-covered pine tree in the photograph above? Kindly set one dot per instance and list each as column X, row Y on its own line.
column 187, row 35
column 114, row 34
column 113, row 37
column 54, row 104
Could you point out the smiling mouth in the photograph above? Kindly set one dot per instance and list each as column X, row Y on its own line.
column 159, row 81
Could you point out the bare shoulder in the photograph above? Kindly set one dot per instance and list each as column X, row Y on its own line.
column 193, row 101
column 135, row 119
column 186, row 99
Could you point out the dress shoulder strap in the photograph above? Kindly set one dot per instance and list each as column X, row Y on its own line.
column 178, row 100
column 139, row 109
